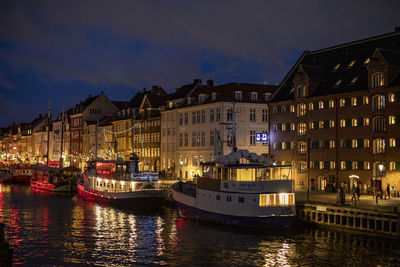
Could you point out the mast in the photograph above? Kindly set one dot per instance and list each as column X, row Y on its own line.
column 62, row 139
column 97, row 138
column 234, row 148
column 48, row 134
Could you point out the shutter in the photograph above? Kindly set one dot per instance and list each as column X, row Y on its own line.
column 315, row 144
column 347, row 143
column 326, row 165
column 326, row 143
column 360, row 143
column 360, row 165
column 288, row 127
column 278, row 109
column 397, row 119
column 316, row 125
column 397, row 96
column 348, row 165
column 359, row 100
column 326, row 104
column 360, row 122
column 348, row 122
column 347, row 102
column 326, row 124
column 279, row 145
column 397, row 143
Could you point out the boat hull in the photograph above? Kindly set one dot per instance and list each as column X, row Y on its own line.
column 203, row 215
column 20, row 179
column 52, row 187
column 144, row 197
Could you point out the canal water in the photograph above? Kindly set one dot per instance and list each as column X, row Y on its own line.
column 62, row 230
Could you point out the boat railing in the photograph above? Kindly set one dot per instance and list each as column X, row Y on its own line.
column 185, row 188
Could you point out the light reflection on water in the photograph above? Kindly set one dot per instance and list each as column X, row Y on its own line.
column 48, row 229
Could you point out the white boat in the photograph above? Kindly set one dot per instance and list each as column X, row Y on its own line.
column 118, row 181
column 236, row 190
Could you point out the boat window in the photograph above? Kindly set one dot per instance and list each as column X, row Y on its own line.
column 241, row 199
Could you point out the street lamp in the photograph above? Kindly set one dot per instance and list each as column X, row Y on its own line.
column 180, row 163
column 380, row 166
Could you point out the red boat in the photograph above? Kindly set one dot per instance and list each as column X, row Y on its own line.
column 53, row 179
column 21, row 174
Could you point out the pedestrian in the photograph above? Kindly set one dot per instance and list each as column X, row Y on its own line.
column 358, row 191
column 388, row 190
column 354, row 197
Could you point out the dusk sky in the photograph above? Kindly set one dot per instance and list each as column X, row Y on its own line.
column 66, row 50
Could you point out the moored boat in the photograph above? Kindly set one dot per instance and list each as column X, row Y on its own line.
column 236, row 189
column 21, row 174
column 118, row 181
column 53, row 179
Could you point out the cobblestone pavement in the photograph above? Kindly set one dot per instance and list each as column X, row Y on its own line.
column 365, row 202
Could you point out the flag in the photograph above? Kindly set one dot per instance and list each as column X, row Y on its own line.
column 217, row 144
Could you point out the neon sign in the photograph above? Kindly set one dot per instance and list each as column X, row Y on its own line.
column 262, row 138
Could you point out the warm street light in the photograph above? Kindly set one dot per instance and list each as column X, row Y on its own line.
column 380, row 166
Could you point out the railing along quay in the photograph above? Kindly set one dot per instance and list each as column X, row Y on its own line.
column 352, row 218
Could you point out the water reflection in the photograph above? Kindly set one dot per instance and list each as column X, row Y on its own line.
column 47, row 229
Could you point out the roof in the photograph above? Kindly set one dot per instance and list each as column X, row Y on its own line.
column 135, row 101
column 226, row 93
column 156, row 101
column 320, row 66
column 184, row 90
column 120, row 104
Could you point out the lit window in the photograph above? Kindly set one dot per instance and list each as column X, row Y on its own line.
column 332, row 165
column 378, row 102
column 301, row 128
column 301, row 110
column 292, row 109
column 354, row 101
column 392, row 120
column 366, row 121
column 321, row 104
column 354, row 122
column 342, row 123
column 392, row 165
column 366, row 61
column 343, row 165
column 378, row 146
column 338, row 82
column 311, row 106
column 254, row 96
column 331, row 123
column 367, row 165
column 311, row 125
column 354, row 165
column 354, row 143
column 331, row 143
column 354, row 80
column 377, row 79
column 351, row 64
column 283, row 145
column 392, row 142
column 321, row 124
column 292, row 127
column 337, row 67
column 365, row 100
column 331, row 104
column 238, row 95
column 342, row 102
column 302, row 148
column 391, row 97
column 366, row 143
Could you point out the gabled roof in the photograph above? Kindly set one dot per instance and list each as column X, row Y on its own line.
column 135, row 101
column 184, row 90
column 321, row 64
column 156, row 101
column 120, row 104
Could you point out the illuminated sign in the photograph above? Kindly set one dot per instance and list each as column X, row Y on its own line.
column 262, row 138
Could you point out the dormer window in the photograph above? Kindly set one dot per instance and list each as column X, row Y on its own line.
column 213, row 96
column 202, row 98
column 354, row 80
column 301, row 91
column 253, row 96
column 238, row 95
column 338, row 82
column 267, row 96
column 366, row 61
column 336, row 67
column 351, row 64
column 170, row 105
column 189, row 100
column 377, row 79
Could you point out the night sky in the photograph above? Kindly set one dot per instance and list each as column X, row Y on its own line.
column 66, row 50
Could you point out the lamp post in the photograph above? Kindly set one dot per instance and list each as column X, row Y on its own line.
column 380, row 167
column 180, row 171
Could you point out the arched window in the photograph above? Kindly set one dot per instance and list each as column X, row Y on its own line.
column 302, row 147
column 301, row 110
column 301, row 128
column 378, row 124
column 377, row 79
column 378, row 146
column 378, row 102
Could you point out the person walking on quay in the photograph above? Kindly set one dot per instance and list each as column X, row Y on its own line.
column 388, row 191
column 354, row 197
column 358, row 191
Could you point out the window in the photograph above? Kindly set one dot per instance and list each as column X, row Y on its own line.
column 343, row 165
column 321, row 104
column 331, row 103
column 311, row 106
column 253, row 138
column 342, row 123
column 253, row 96
column 213, row 96
column 264, row 115
column 212, row 115
column 218, row 117
column 203, row 116
column 241, row 199
column 377, row 80
column 202, row 98
column 198, row 139
column 354, row 80
column 198, row 116
column 186, row 118
column 392, row 120
column 351, row 64
column 302, row 167
column 366, row 61
column 392, row 142
column 354, row 122
column 292, row 127
column 367, row 165
column 311, row 125
column 301, row 110
column 238, row 95
column 354, row 143
column 180, row 139
column 337, row 66
column 391, row 97
column 366, row 121
column 331, row 143
column 292, row 109
column 365, row 100
column 302, row 147
column 366, row 143
column 354, row 165
column 203, row 138
column 252, row 114
column 342, row 102
column 211, row 138
column 301, row 128
column 331, row 123
column 229, row 114
column 354, row 101
column 186, row 139
column 301, row 91
column 194, row 136
column 338, row 82
column 378, row 124
column 332, row 165
column 378, row 146
column 193, row 117
column 378, row 102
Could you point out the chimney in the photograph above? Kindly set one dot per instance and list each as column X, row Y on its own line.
column 144, row 90
column 210, row 83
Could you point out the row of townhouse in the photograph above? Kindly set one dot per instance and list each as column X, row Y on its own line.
column 334, row 119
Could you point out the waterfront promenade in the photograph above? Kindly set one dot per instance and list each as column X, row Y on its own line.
column 366, row 201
